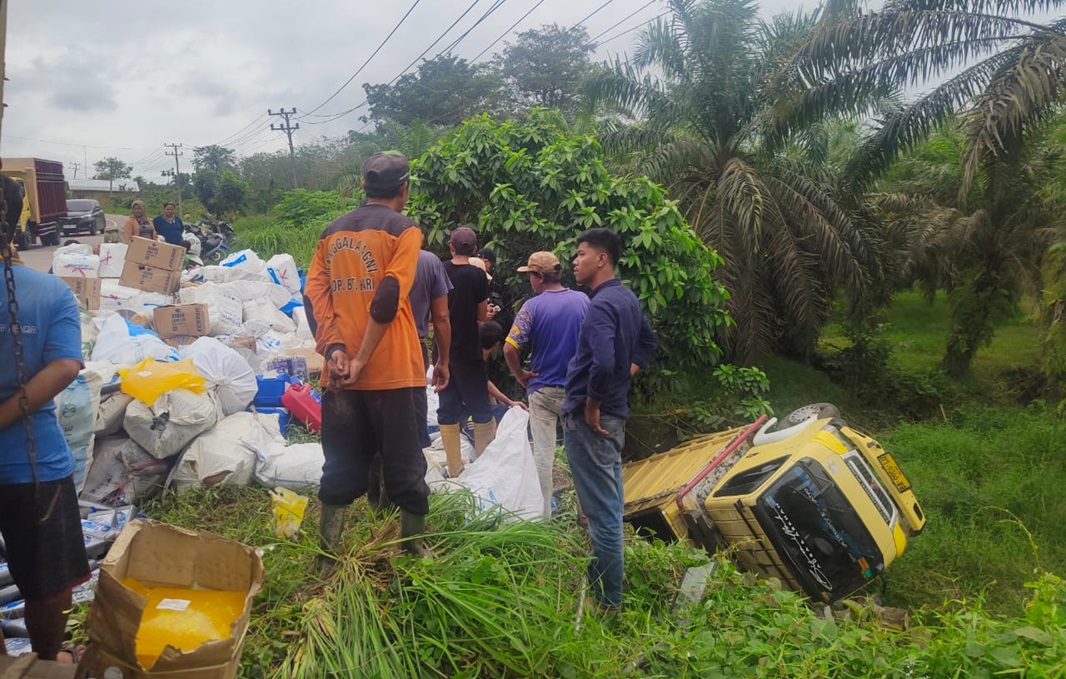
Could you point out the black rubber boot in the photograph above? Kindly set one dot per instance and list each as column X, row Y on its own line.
column 412, row 526
column 331, row 527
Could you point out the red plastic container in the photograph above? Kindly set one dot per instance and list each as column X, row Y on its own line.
column 305, row 404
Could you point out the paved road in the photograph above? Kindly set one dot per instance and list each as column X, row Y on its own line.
column 40, row 258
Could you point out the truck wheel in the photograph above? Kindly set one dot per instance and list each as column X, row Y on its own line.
column 50, row 239
column 22, row 240
column 820, row 411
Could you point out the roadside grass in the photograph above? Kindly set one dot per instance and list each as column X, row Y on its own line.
column 268, row 236
column 991, row 482
column 502, row 599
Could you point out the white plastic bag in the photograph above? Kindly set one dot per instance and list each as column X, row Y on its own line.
column 114, row 296
column 505, row 475
column 245, row 265
column 225, row 311
column 112, row 259
column 88, row 334
column 227, row 454
column 115, row 344
column 295, row 466
column 76, row 265
column 263, row 310
column 172, row 422
column 282, row 270
column 122, row 473
column 303, row 328
column 227, row 373
column 195, row 246
column 73, row 249
column 76, row 409
column 252, row 291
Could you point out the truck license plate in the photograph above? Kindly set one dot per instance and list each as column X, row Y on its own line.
column 888, row 463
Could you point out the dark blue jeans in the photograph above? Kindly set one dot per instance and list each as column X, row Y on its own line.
column 596, row 467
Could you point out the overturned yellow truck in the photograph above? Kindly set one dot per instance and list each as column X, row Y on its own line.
column 808, row 500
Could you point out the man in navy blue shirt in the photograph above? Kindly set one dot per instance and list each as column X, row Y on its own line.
column 615, row 342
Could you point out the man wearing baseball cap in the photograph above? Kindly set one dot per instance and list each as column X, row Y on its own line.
column 467, row 390
column 550, row 322
column 357, row 291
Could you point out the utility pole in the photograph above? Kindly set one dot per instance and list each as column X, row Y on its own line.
column 177, row 169
column 75, row 165
column 288, row 129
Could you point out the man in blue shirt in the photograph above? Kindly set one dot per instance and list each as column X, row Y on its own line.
column 40, row 520
column 615, row 342
column 550, row 322
column 169, row 226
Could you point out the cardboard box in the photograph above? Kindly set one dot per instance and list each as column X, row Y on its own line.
column 149, row 278
column 315, row 362
column 86, row 290
column 244, row 342
column 164, row 555
column 181, row 319
column 29, row 667
column 153, row 253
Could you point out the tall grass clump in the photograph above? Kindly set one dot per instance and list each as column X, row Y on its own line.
column 293, row 226
column 991, row 482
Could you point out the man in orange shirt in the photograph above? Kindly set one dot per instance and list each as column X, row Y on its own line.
column 358, row 290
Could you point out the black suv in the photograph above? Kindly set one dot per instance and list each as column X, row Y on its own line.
column 83, row 215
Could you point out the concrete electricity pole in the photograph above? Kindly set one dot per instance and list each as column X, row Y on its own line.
column 288, row 129
column 177, row 170
column 75, row 165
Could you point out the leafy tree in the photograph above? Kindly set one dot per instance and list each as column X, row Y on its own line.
column 443, row 91
column 700, row 88
column 112, row 168
column 546, row 66
column 531, row 186
column 214, row 158
column 232, row 194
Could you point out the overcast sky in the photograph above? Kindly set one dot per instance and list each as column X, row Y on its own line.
column 122, row 77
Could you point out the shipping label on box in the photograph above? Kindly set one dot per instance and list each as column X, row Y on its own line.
column 86, row 290
column 156, row 254
column 181, row 319
column 149, row 278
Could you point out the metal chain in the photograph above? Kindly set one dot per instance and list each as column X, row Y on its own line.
column 20, row 363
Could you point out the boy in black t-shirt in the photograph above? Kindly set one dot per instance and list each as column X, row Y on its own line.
column 467, row 391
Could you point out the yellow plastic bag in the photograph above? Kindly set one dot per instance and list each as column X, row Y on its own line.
column 288, row 511
column 149, row 379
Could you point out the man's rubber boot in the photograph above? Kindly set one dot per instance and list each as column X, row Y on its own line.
column 331, row 527
column 484, row 434
column 449, row 436
column 412, row 526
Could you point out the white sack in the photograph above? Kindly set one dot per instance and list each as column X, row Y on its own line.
column 172, row 422
column 296, row 467
column 255, row 291
column 282, row 270
column 114, row 296
column 76, row 409
column 245, row 265
column 75, row 265
column 227, row 454
column 115, row 344
column 112, row 259
column 112, row 413
column 122, row 473
column 228, row 375
column 88, row 334
column 263, row 310
column 505, row 474
column 303, row 328
column 73, row 249
column 225, row 311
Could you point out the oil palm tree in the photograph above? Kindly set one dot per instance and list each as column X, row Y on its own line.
column 699, row 89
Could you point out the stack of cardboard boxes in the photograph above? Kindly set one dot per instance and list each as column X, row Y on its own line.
column 153, row 266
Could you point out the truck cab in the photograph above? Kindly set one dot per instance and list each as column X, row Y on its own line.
column 823, row 508
column 45, row 202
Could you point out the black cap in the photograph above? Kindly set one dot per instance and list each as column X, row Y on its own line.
column 464, row 240
column 384, row 173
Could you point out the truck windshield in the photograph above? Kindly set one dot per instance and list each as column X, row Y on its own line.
column 79, row 206
column 808, row 518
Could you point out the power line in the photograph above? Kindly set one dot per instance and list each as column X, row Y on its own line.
column 594, row 12
column 489, row 12
column 229, row 139
column 373, row 54
column 638, row 26
column 90, row 146
column 177, row 168
column 508, row 31
column 649, row 4
column 338, row 116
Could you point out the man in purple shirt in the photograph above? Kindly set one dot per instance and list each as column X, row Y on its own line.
column 616, row 341
column 550, row 322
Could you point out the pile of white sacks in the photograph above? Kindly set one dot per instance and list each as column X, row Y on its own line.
column 126, row 449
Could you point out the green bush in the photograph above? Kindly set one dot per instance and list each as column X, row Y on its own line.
column 301, row 207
